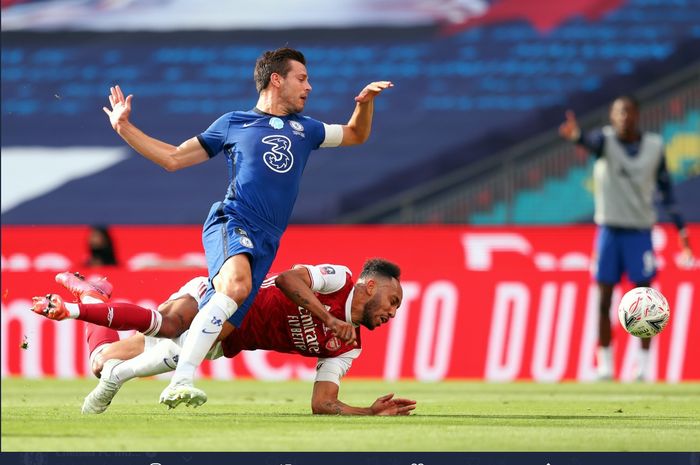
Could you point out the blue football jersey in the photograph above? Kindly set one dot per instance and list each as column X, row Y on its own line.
column 266, row 157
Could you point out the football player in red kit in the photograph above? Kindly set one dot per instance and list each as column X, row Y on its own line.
column 280, row 320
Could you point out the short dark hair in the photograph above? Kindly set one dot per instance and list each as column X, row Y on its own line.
column 629, row 98
column 380, row 267
column 275, row 61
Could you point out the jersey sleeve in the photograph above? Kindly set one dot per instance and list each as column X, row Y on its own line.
column 593, row 141
column 326, row 279
column 332, row 369
column 668, row 201
column 214, row 137
column 195, row 287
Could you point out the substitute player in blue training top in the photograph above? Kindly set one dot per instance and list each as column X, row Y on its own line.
column 269, row 146
column 630, row 165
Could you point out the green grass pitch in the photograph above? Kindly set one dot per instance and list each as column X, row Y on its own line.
column 245, row 415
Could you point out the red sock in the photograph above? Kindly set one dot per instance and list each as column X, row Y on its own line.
column 99, row 335
column 121, row 316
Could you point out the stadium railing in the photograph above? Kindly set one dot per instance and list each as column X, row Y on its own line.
column 489, row 191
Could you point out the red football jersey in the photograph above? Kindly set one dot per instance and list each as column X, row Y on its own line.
column 275, row 323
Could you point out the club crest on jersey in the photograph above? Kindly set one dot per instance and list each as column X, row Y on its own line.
column 276, row 123
column 246, row 242
column 333, row 344
column 297, row 129
column 327, row 270
column 280, row 158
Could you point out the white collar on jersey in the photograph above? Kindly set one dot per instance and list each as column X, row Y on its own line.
column 348, row 308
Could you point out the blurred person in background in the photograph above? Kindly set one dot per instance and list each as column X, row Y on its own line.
column 101, row 247
column 630, row 168
column 267, row 148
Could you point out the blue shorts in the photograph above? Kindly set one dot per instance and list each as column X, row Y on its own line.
column 623, row 250
column 230, row 230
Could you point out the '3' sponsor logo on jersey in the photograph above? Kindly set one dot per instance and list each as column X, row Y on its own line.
column 280, row 158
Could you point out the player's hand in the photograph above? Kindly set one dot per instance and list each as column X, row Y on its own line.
column 685, row 259
column 371, row 90
column 387, row 405
column 121, row 107
column 569, row 129
column 343, row 330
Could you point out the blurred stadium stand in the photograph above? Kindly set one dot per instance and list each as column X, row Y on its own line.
column 545, row 180
column 470, row 95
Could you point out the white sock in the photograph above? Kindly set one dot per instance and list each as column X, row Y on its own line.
column 643, row 362
column 73, row 309
column 204, row 330
column 160, row 358
column 605, row 361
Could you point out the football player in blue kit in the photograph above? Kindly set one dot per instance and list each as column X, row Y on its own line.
column 269, row 147
column 630, row 166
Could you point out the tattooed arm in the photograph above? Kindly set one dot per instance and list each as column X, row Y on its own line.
column 296, row 285
column 325, row 401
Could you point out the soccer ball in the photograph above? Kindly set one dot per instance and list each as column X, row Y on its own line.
column 643, row 312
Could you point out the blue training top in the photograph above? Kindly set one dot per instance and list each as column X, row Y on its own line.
column 266, row 156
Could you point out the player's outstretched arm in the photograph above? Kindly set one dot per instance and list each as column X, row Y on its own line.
column 360, row 125
column 168, row 156
column 569, row 129
column 324, row 401
column 664, row 184
column 686, row 259
column 296, row 285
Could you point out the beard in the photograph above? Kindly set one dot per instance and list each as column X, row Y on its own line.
column 368, row 313
column 292, row 102
column 297, row 108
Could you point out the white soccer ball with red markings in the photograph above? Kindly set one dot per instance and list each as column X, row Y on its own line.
column 644, row 312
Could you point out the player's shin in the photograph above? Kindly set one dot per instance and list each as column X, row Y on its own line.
column 642, row 364
column 159, row 358
column 204, row 330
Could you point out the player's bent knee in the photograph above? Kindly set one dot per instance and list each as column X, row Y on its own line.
column 239, row 290
column 237, row 294
column 97, row 359
column 172, row 327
